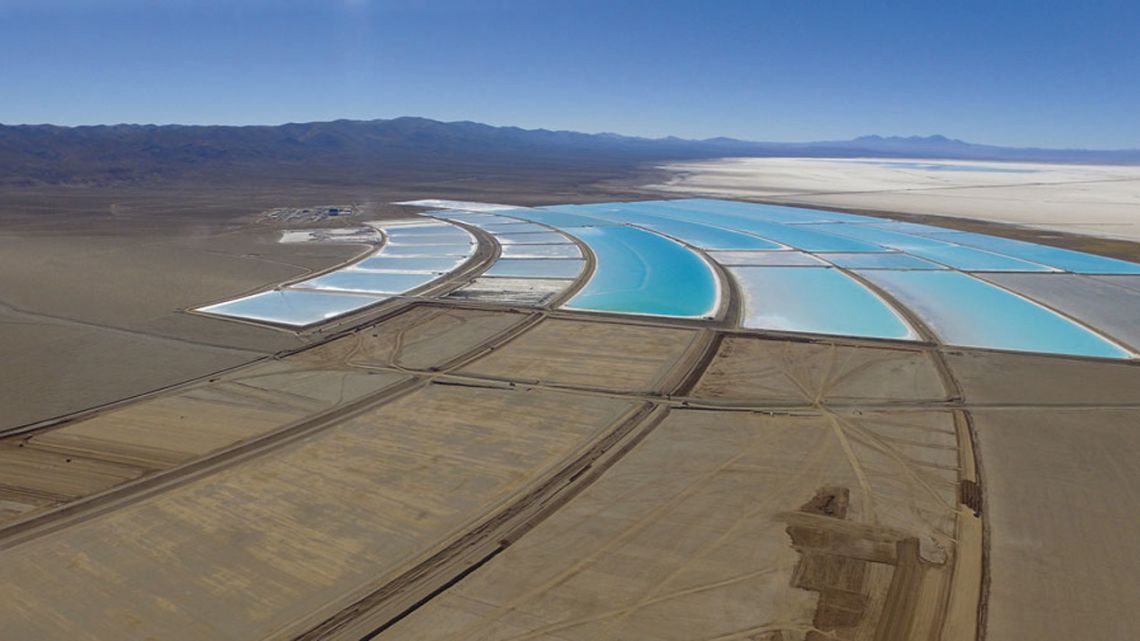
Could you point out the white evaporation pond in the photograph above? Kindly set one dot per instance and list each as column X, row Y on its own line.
column 459, row 239
column 355, row 235
column 770, row 258
column 473, row 219
column 408, row 264
column 817, row 300
column 427, row 250
column 437, row 203
column 366, row 282
column 423, row 234
column 893, row 260
column 405, row 223
column 519, row 227
column 566, row 250
column 292, row 307
column 536, row 268
column 532, row 238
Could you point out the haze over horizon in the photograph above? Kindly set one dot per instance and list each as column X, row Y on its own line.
column 1010, row 75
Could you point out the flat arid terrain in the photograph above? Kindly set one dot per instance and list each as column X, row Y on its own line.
column 1094, row 200
column 96, row 280
column 462, row 462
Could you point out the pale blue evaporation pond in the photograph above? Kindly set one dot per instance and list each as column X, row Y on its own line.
column 818, row 300
column 292, row 307
column 963, row 310
column 736, row 218
column 825, row 301
column 370, row 282
column 639, row 272
column 1056, row 257
column 956, row 256
column 695, row 234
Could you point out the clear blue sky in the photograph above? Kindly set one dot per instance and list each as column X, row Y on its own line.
column 1028, row 72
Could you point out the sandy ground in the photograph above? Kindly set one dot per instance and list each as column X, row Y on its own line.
column 474, row 472
column 256, row 551
column 1086, row 199
column 821, row 499
column 1063, row 505
column 617, row 563
column 52, row 467
column 622, row 357
column 91, row 316
column 94, row 281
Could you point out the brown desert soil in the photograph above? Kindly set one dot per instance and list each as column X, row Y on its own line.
column 441, row 469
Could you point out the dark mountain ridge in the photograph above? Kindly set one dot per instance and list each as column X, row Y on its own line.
column 39, row 154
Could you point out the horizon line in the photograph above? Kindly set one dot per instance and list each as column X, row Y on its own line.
column 884, row 137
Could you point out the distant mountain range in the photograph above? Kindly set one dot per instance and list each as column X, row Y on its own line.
column 47, row 154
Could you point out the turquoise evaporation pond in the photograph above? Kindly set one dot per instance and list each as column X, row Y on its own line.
column 947, row 253
column 696, row 234
column 1063, row 259
column 963, row 310
column 639, row 272
column 818, row 300
column 292, row 307
column 797, row 236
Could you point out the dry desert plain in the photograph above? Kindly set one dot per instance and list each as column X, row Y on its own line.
column 442, row 469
